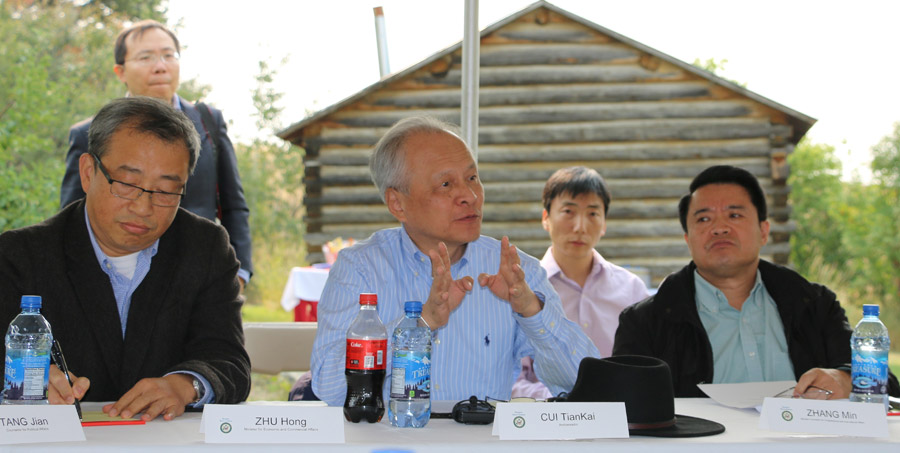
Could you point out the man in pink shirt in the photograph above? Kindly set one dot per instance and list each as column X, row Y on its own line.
column 593, row 290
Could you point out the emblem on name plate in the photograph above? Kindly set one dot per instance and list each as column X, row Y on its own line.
column 519, row 421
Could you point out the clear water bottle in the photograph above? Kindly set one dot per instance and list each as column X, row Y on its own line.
column 410, row 405
column 366, row 362
column 28, row 342
column 870, row 344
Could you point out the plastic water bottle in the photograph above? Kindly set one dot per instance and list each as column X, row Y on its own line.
column 410, row 404
column 870, row 344
column 366, row 361
column 28, row 342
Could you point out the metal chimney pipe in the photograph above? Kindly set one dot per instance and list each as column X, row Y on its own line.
column 471, row 49
column 384, row 67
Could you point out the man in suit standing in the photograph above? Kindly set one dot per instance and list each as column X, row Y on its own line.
column 147, row 62
column 143, row 295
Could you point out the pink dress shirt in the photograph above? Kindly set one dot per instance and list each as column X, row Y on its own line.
column 595, row 308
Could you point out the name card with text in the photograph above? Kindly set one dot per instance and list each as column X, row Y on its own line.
column 32, row 424
column 842, row 418
column 560, row 421
column 282, row 424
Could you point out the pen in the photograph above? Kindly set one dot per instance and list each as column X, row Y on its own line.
column 56, row 353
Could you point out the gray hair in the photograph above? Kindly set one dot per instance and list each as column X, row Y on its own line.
column 387, row 164
column 145, row 115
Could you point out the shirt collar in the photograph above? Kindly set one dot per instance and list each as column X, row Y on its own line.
column 410, row 250
column 711, row 298
column 548, row 262
column 103, row 258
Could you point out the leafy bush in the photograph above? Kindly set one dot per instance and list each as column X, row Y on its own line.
column 848, row 233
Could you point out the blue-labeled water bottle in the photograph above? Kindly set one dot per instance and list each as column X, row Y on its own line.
column 410, row 404
column 870, row 344
column 28, row 343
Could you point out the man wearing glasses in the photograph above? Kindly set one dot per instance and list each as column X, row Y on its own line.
column 142, row 295
column 729, row 316
column 147, row 62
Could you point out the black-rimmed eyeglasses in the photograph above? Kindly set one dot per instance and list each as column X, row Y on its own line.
column 132, row 192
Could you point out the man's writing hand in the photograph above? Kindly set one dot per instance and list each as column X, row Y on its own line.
column 446, row 294
column 154, row 396
column 837, row 381
column 509, row 282
column 59, row 391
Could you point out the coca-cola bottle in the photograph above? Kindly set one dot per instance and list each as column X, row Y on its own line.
column 366, row 355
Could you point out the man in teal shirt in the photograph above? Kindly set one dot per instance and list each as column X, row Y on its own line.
column 729, row 316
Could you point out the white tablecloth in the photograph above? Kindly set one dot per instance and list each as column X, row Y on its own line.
column 741, row 435
column 304, row 283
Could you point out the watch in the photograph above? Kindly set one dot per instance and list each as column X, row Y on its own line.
column 199, row 390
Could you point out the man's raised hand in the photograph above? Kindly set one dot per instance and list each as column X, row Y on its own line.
column 509, row 282
column 446, row 294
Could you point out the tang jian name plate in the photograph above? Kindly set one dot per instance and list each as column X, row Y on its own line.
column 283, row 424
column 552, row 421
column 32, row 424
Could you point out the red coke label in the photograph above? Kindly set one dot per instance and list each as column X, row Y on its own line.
column 366, row 355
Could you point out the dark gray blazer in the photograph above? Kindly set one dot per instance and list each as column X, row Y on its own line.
column 185, row 315
column 200, row 193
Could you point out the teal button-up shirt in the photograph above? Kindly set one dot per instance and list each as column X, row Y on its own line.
column 748, row 345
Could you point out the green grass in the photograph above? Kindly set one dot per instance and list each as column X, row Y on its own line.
column 269, row 387
column 273, row 261
column 266, row 313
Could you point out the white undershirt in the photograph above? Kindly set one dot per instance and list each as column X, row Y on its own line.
column 125, row 265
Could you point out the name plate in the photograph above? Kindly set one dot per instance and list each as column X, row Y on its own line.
column 276, row 424
column 32, row 424
column 843, row 418
column 560, row 421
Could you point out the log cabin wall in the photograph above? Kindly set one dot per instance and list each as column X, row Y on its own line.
column 557, row 91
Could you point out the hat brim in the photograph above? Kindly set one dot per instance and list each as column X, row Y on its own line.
column 685, row 426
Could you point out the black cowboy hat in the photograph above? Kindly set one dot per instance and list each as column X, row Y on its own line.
column 644, row 384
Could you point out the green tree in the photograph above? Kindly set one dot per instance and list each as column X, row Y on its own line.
column 848, row 233
column 55, row 61
column 272, row 175
column 817, row 195
column 879, row 241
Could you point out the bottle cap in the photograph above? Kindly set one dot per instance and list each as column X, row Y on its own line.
column 368, row 299
column 31, row 302
column 413, row 306
column 870, row 310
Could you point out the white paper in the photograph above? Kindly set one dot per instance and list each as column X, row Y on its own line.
column 558, row 421
column 830, row 417
column 745, row 395
column 272, row 423
column 32, row 424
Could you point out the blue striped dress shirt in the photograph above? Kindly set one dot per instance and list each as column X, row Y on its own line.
column 479, row 350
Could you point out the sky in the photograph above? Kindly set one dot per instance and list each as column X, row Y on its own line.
column 834, row 61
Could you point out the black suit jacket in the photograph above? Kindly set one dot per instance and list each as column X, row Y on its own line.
column 185, row 315
column 200, row 193
column 667, row 326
